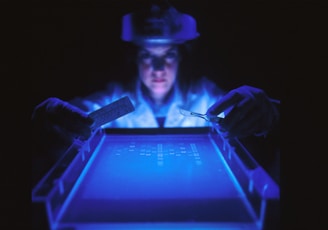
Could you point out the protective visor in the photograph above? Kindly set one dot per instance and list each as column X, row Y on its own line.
column 158, row 30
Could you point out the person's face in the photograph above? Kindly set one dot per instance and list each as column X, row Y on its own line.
column 158, row 66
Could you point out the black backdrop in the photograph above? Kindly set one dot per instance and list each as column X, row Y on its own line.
column 69, row 48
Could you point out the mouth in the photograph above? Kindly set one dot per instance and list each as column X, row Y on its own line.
column 158, row 80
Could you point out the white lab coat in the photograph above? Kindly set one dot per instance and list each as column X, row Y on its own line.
column 198, row 98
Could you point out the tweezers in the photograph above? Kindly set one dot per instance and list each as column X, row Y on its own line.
column 204, row 116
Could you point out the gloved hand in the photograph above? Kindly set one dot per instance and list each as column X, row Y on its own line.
column 252, row 112
column 57, row 123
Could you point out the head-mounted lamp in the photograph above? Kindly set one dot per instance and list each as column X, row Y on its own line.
column 158, row 27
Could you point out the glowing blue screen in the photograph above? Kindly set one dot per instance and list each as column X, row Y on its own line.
column 152, row 166
column 157, row 178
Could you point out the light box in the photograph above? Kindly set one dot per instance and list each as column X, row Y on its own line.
column 170, row 178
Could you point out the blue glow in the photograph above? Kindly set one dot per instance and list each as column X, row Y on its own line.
column 159, row 179
column 157, row 168
column 167, row 226
column 155, row 181
column 157, row 41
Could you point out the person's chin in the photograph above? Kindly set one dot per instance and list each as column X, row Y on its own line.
column 159, row 86
column 159, row 90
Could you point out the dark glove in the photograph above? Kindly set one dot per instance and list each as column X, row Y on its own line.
column 57, row 123
column 252, row 112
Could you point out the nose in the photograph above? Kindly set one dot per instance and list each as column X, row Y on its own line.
column 158, row 63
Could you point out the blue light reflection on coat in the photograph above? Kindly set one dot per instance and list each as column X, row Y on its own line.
column 198, row 98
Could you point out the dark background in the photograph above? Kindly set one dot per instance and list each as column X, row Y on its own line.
column 71, row 48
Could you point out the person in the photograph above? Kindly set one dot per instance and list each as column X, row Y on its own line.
column 160, row 38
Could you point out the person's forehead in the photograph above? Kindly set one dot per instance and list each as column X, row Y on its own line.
column 158, row 49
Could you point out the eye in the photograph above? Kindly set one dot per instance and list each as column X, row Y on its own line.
column 171, row 55
column 144, row 56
